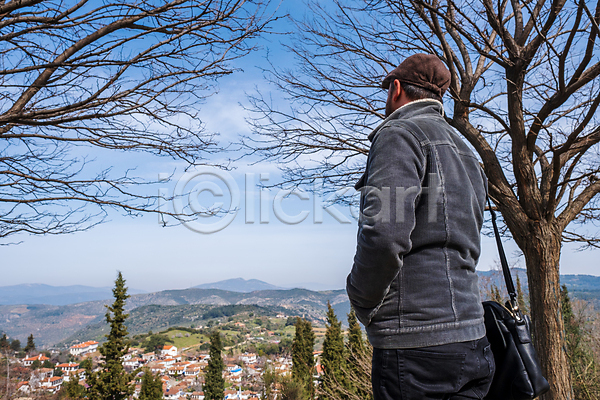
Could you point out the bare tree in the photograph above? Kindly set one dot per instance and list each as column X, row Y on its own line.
column 524, row 93
column 113, row 75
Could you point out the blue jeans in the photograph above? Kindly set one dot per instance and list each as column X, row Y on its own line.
column 451, row 371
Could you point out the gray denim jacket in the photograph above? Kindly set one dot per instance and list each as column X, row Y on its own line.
column 413, row 282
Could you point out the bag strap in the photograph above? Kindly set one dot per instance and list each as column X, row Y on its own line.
column 510, row 286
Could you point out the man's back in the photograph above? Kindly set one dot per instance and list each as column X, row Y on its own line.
column 413, row 283
column 437, row 203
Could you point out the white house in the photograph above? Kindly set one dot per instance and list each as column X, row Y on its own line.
column 30, row 360
column 83, row 348
column 133, row 362
column 249, row 358
column 53, row 383
column 168, row 351
column 68, row 367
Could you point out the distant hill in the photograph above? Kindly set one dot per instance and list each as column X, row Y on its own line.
column 158, row 318
column 52, row 324
column 251, row 285
column 55, row 323
column 583, row 287
column 239, row 285
column 37, row 293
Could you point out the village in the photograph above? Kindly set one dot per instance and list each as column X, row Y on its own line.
column 181, row 370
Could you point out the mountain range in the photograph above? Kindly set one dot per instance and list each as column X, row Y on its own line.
column 61, row 321
column 37, row 293
column 51, row 324
column 240, row 285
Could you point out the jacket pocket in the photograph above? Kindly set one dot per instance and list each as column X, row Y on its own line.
column 364, row 315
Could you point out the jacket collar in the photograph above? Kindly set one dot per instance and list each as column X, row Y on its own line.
column 417, row 107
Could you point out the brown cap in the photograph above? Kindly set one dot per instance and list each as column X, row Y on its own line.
column 423, row 70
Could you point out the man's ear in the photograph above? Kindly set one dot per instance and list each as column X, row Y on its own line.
column 396, row 90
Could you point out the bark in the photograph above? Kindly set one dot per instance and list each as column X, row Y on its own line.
column 542, row 255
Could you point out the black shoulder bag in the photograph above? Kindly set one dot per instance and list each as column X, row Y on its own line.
column 518, row 374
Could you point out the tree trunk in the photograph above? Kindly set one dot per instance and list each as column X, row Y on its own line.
column 542, row 254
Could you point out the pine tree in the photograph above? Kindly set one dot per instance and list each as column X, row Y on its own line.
column 86, row 364
column 583, row 363
column 15, row 345
column 354, row 353
column 357, row 361
column 298, row 365
column 214, row 383
column 355, row 339
column 112, row 382
column 30, row 346
column 496, row 296
column 292, row 390
column 73, row 389
column 269, row 379
column 573, row 329
column 151, row 386
column 521, row 297
column 303, row 361
column 4, row 345
column 332, row 357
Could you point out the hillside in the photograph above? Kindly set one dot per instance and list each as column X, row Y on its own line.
column 52, row 324
column 582, row 287
column 158, row 318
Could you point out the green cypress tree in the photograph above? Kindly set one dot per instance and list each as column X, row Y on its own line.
column 112, row 382
column 151, row 386
column 214, row 383
column 332, row 358
column 30, row 346
column 73, row 389
column 298, row 364
column 303, row 362
column 269, row 379
column 583, row 363
column 86, row 364
column 309, row 356
column 496, row 296
column 15, row 345
column 355, row 338
column 358, row 362
column 4, row 344
column 521, row 297
column 292, row 389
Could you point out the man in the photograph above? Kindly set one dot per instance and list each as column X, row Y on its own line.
column 413, row 283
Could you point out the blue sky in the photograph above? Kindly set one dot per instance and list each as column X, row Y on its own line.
column 152, row 257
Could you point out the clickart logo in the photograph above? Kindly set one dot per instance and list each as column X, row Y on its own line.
column 216, row 187
column 207, row 185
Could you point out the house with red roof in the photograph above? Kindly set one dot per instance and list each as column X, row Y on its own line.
column 168, row 351
column 83, row 348
column 23, row 386
column 52, row 384
column 197, row 396
column 68, row 367
column 30, row 360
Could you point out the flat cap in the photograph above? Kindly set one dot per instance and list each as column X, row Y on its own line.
column 423, row 70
